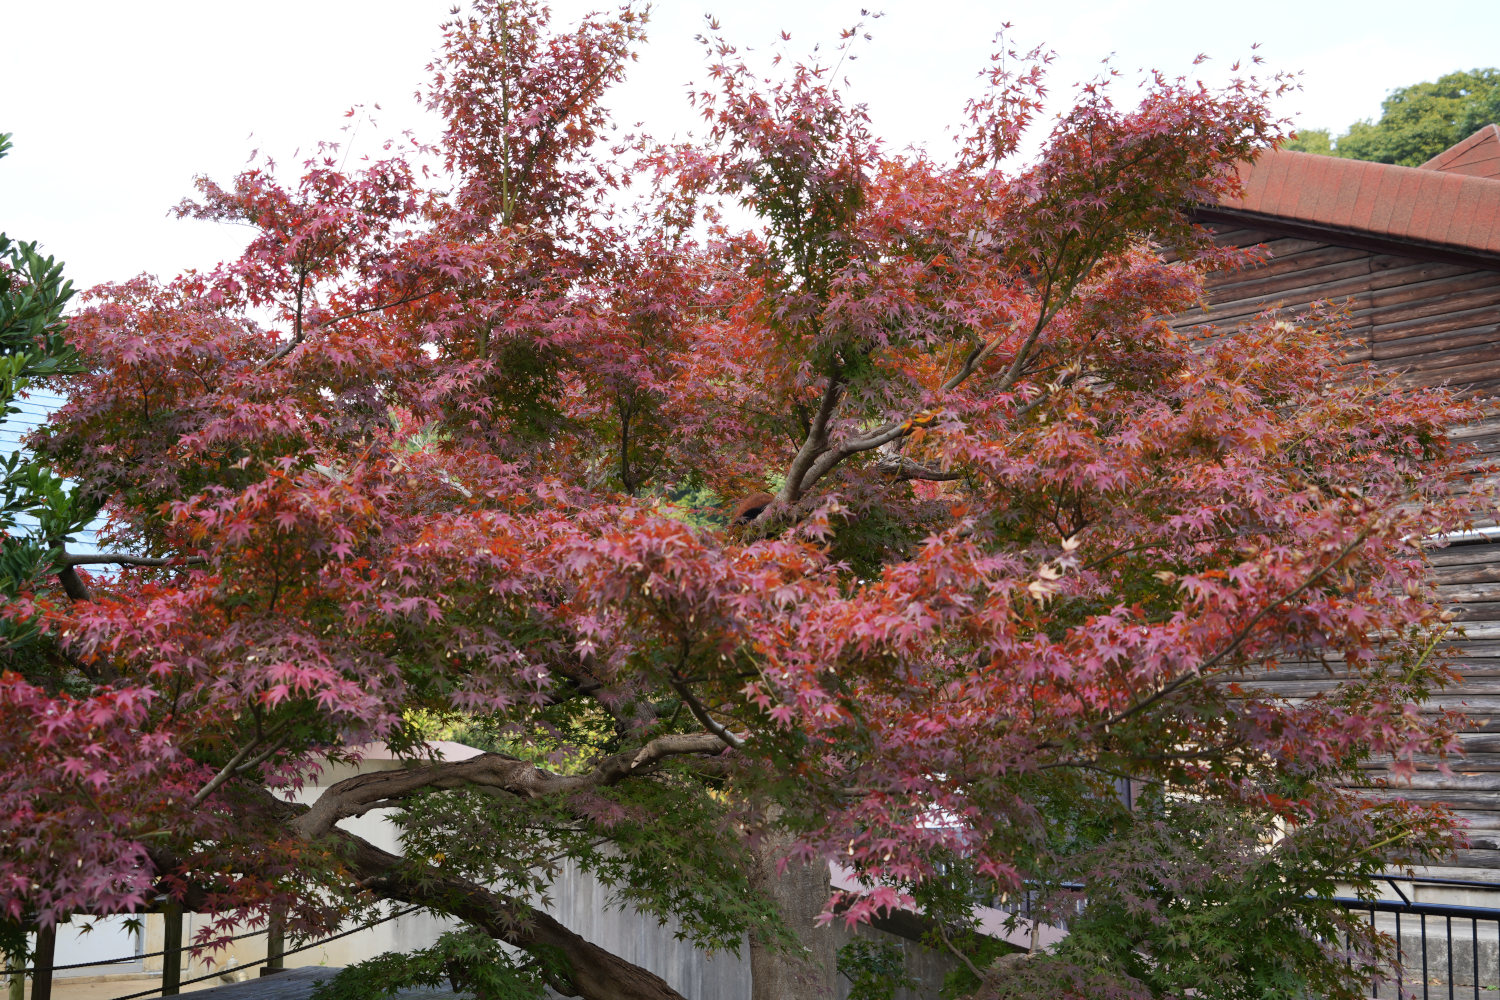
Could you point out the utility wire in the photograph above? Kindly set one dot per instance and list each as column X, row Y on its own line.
column 31, row 970
column 289, row 951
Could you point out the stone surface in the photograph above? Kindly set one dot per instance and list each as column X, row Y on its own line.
column 293, row 984
column 298, row 984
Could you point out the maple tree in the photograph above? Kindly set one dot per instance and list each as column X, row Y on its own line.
column 462, row 447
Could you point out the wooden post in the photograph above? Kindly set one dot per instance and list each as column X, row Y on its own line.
column 41, row 963
column 275, row 943
column 17, row 988
column 171, row 946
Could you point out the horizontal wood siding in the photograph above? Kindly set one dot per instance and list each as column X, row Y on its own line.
column 1422, row 323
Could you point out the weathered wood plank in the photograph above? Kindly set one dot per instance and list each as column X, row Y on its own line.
column 1420, row 323
column 1462, row 338
column 1475, row 572
column 1369, row 306
column 1467, row 800
column 1468, row 593
column 1470, row 689
column 1425, row 326
column 1457, row 375
column 1295, row 261
column 1259, row 282
column 1277, row 245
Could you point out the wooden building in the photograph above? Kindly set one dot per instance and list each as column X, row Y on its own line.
column 1413, row 253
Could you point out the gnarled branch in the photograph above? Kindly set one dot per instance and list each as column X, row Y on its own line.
column 358, row 795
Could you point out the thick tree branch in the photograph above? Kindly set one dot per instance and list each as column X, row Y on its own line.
column 361, row 793
column 902, row 468
column 73, row 584
column 815, row 445
column 592, row 972
column 125, row 559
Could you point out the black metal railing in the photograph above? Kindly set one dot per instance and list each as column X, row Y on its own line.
column 1442, row 949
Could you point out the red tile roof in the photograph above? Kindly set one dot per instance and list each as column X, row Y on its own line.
column 1431, row 204
column 1477, row 156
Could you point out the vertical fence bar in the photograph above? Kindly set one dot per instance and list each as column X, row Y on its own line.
column 1448, row 937
column 1474, row 952
column 1400, row 958
column 1424, row 956
column 171, row 946
column 41, row 963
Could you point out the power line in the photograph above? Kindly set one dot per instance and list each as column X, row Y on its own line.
column 31, row 970
column 289, row 951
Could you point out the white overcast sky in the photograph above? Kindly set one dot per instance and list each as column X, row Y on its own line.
column 115, row 106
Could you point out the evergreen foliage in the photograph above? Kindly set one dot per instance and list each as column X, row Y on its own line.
column 1417, row 122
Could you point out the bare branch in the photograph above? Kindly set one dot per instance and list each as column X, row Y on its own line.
column 823, row 460
column 301, row 336
column 242, row 761
column 1023, row 354
column 1202, row 669
column 971, row 364
column 887, row 434
column 403, row 300
column 225, row 773
column 700, row 712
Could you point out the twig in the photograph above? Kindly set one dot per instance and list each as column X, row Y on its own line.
column 701, row 714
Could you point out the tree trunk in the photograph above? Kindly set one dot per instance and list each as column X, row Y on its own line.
column 800, row 893
column 592, row 973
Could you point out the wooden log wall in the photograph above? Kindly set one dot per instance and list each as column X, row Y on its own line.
column 1424, row 322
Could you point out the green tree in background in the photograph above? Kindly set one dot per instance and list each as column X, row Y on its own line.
column 1416, row 122
column 37, row 510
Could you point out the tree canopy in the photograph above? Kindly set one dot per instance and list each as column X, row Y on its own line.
column 1416, row 122
column 460, row 437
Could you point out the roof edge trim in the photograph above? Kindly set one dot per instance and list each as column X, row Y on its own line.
column 1358, row 238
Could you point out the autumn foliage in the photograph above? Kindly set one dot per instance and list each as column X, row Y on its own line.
column 467, row 447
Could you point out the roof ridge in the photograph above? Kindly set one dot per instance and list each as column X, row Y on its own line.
column 1484, row 134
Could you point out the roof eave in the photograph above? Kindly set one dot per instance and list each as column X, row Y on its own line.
column 1356, row 238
